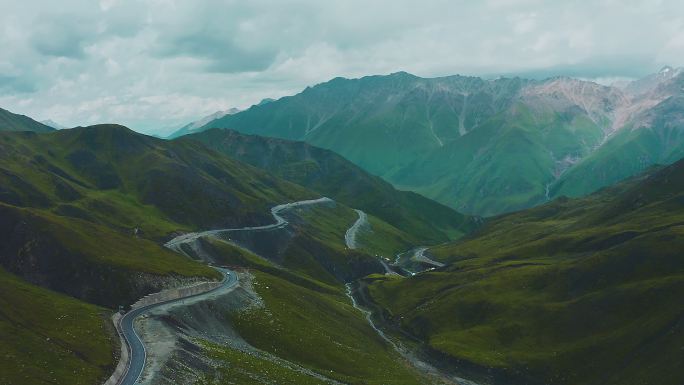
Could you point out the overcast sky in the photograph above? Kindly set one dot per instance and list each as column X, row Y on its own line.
column 160, row 63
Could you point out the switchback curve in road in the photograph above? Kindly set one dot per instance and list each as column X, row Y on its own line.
column 280, row 222
column 137, row 352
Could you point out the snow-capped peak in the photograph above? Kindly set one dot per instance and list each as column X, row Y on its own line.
column 670, row 72
column 665, row 70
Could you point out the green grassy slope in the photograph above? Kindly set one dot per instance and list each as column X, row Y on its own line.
column 333, row 176
column 119, row 177
column 318, row 246
column 15, row 122
column 307, row 318
column 86, row 260
column 49, row 338
column 69, row 202
column 383, row 239
column 576, row 291
column 79, row 194
column 313, row 324
column 246, row 369
column 312, row 245
column 321, row 331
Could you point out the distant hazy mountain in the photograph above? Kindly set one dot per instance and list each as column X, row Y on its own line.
column 15, row 122
column 197, row 125
column 53, row 124
column 484, row 146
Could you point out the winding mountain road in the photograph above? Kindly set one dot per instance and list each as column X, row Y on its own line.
column 350, row 235
column 175, row 243
column 136, row 347
column 137, row 352
column 419, row 256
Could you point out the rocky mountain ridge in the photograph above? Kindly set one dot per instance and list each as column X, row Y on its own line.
column 482, row 146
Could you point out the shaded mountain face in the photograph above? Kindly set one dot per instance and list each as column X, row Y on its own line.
column 379, row 122
column 331, row 175
column 576, row 291
column 14, row 122
column 483, row 146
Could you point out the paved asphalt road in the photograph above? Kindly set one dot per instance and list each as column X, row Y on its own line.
column 137, row 353
column 175, row 243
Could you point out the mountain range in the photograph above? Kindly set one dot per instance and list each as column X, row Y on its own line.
column 84, row 213
column 112, row 177
column 484, row 146
column 373, row 283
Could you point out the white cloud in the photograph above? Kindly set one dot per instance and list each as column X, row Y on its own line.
column 160, row 63
column 106, row 5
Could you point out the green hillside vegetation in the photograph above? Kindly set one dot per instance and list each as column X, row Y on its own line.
column 313, row 324
column 333, row 176
column 326, row 227
column 317, row 248
column 230, row 254
column 86, row 260
column 312, row 245
column 383, row 239
column 48, row 338
column 584, row 291
column 118, row 177
column 15, row 122
column 69, row 203
column 321, row 331
column 80, row 194
column 246, row 369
